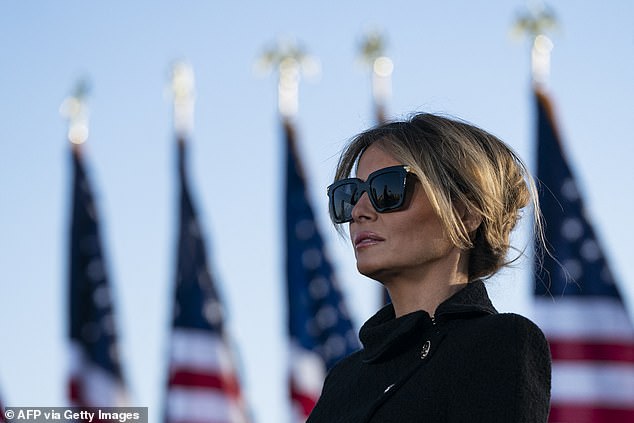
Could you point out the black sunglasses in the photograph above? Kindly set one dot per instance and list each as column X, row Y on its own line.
column 385, row 188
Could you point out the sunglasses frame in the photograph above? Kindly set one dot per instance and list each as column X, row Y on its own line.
column 364, row 186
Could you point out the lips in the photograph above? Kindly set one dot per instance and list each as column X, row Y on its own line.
column 365, row 239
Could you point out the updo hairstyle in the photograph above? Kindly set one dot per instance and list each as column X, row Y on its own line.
column 462, row 168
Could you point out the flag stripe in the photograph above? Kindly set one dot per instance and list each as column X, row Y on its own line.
column 308, row 370
column 597, row 318
column 203, row 406
column 74, row 391
column 199, row 349
column 594, row 382
column 221, row 420
column 190, row 378
column 306, row 402
column 583, row 350
column 307, row 375
column 589, row 413
column 90, row 385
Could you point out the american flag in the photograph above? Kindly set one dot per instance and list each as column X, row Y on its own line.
column 95, row 372
column 578, row 304
column 203, row 384
column 320, row 329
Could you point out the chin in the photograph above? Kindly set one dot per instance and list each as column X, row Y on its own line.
column 373, row 271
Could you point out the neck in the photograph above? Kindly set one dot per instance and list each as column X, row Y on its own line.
column 425, row 289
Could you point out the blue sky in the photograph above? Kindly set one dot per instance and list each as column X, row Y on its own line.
column 453, row 57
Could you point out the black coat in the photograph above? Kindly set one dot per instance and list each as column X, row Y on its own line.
column 469, row 364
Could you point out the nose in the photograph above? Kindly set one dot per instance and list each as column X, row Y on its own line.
column 363, row 210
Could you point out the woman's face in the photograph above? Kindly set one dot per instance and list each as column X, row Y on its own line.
column 402, row 243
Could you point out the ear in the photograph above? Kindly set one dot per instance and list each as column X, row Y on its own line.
column 470, row 219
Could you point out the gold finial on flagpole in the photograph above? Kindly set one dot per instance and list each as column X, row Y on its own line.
column 536, row 22
column 373, row 56
column 290, row 61
column 75, row 110
column 182, row 88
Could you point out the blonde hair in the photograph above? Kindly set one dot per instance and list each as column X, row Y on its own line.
column 458, row 164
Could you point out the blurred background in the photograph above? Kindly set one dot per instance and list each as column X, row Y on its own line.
column 454, row 57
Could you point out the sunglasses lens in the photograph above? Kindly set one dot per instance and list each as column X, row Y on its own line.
column 388, row 191
column 385, row 187
column 344, row 197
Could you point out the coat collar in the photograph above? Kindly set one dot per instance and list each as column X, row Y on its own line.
column 383, row 334
column 473, row 299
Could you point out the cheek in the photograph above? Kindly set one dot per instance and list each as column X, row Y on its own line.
column 424, row 232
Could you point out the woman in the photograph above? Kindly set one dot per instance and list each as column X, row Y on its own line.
column 430, row 212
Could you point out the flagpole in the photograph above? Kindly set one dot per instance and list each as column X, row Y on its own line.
column 535, row 23
column 289, row 59
column 182, row 85
column 312, row 289
column 291, row 62
column 183, row 96
column 372, row 51
column 75, row 109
